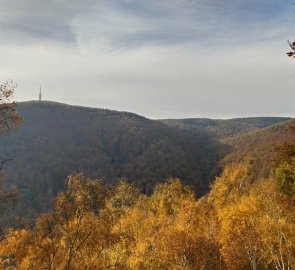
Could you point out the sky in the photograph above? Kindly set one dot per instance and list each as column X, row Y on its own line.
column 156, row 58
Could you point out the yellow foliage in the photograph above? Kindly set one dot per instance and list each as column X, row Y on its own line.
column 239, row 225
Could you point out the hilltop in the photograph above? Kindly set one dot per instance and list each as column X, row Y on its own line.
column 57, row 139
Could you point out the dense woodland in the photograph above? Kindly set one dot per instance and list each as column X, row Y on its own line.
column 246, row 220
column 258, row 148
column 239, row 225
column 55, row 140
column 224, row 128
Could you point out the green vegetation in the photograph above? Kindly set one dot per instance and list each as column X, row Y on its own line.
column 285, row 167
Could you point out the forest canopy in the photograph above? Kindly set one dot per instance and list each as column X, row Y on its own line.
column 244, row 222
column 238, row 225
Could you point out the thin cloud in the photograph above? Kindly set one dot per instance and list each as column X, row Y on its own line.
column 122, row 23
column 157, row 58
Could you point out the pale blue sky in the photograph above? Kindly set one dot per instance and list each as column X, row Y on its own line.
column 160, row 59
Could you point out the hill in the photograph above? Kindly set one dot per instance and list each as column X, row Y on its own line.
column 57, row 139
column 258, row 148
column 251, row 140
column 223, row 128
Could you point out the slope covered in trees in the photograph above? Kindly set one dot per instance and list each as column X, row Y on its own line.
column 258, row 148
column 242, row 223
column 224, row 128
column 56, row 140
column 238, row 225
column 247, row 140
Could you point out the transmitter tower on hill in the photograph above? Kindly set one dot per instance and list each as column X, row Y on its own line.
column 40, row 94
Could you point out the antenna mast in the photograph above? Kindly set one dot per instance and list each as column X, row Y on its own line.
column 40, row 94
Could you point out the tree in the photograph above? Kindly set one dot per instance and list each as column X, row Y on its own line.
column 73, row 236
column 285, row 167
column 292, row 46
column 9, row 117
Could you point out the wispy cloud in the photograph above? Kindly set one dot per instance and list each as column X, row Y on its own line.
column 159, row 58
column 137, row 22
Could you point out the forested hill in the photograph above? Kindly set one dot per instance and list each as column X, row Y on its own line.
column 259, row 147
column 220, row 128
column 56, row 139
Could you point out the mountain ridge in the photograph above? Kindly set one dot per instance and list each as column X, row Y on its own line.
column 222, row 128
column 57, row 139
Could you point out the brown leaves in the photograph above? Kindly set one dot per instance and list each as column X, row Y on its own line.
column 292, row 46
column 8, row 114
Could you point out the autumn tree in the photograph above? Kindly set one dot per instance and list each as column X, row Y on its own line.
column 240, row 224
column 292, row 46
column 73, row 236
column 285, row 167
column 9, row 119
